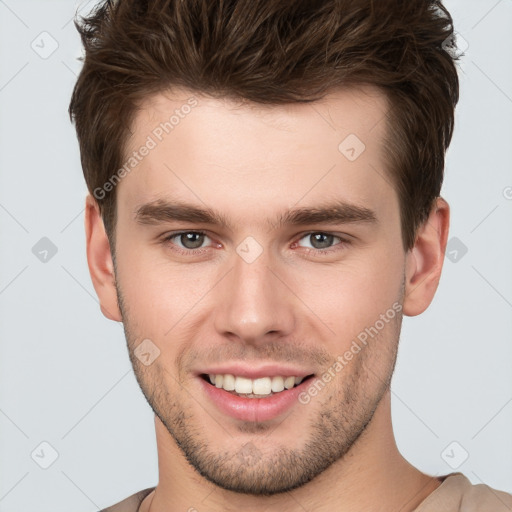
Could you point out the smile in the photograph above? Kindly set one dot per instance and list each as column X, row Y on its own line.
column 254, row 388
column 253, row 399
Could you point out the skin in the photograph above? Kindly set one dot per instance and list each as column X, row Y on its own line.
column 252, row 163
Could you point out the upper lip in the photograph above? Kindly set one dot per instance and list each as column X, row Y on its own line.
column 255, row 372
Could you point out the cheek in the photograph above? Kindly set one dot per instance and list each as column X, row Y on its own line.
column 352, row 296
column 347, row 296
column 159, row 293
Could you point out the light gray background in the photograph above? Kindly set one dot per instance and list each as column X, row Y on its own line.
column 64, row 371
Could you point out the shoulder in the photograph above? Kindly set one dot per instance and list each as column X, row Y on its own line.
column 482, row 497
column 130, row 504
column 458, row 494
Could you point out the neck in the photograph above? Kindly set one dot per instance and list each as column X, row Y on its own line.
column 372, row 476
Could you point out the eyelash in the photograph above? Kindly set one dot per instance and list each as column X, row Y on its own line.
column 191, row 252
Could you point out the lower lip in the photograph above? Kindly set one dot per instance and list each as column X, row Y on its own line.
column 254, row 409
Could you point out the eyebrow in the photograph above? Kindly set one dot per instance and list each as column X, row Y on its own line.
column 338, row 212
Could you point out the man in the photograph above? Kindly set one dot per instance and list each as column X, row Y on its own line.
column 264, row 208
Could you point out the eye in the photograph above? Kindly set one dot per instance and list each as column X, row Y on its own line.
column 192, row 242
column 319, row 241
column 187, row 241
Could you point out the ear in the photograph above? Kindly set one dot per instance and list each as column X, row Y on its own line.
column 99, row 260
column 424, row 261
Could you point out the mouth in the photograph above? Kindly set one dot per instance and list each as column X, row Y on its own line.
column 254, row 393
column 263, row 387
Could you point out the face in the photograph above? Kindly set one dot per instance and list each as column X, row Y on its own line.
column 294, row 261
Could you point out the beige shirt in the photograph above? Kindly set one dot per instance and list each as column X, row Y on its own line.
column 455, row 494
column 458, row 494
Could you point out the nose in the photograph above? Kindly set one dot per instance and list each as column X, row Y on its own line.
column 254, row 301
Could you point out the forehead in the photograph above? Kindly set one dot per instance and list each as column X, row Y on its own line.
column 359, row 109
column 247, row 156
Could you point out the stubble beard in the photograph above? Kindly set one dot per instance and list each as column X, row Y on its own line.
column 347, row 407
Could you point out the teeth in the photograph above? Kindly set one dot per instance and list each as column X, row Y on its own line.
column 229, row 382
column 289, row 382
column 242, row 385
column 277, row 384
column 264, row 386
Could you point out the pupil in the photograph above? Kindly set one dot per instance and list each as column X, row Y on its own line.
column 192, row 240
column 321, row 240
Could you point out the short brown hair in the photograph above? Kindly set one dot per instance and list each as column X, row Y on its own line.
column 272, row 52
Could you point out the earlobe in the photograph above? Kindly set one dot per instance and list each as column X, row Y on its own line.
column 99, row 261
column 424, row 261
